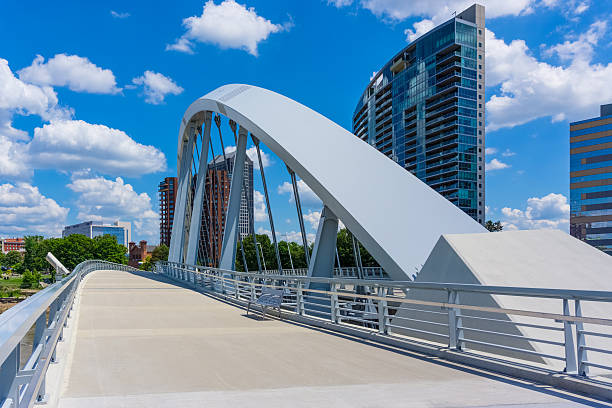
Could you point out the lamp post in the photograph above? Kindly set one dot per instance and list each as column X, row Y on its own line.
column 262, row 257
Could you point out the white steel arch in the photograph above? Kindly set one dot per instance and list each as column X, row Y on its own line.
column 397, row 217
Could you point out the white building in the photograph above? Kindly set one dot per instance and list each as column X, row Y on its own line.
column 120, row 229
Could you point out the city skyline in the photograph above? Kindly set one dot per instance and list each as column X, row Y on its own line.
column 112, row 97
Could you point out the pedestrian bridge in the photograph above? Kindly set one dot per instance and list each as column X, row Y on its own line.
column 180, row 336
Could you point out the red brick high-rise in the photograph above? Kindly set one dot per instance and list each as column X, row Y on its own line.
column 167, row 198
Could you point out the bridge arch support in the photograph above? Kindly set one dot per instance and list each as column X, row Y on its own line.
column 397, row 217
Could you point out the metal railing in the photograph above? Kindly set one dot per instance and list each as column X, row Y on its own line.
column 349, row 272
column 22, row 375
column 453, row 315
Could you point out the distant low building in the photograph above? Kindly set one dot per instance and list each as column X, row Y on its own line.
column 12, row 244
column 138, row 253
column 119, row 229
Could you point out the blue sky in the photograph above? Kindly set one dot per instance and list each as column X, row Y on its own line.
column 91, row 95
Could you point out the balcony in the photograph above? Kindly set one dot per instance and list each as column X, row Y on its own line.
column 441, row 128
column 436, row 102
column 442, row 118
column 454, row 55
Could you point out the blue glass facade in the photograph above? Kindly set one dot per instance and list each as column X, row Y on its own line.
column 117, row 232
column 591, row 180
column 425, row 110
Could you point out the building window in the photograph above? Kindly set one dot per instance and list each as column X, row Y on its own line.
column 479, row 31
column 479, row 123
column 479, row 76
column 479, row 66
column 479, row 56
column 479, row 86
column 480, row 44
column 480, row 114
column 479, row 96
column 480, row 176
column 480, row 132
column 480, row 105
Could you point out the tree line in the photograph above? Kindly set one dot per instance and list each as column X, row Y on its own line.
column 344, row 245
column 70, row 251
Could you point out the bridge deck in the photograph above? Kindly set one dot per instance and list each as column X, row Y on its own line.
column 143, row 342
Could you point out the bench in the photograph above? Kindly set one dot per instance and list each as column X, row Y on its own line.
column 269, row 298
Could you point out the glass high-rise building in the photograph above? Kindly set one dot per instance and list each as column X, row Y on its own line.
column 425, row 110
column 591, row 180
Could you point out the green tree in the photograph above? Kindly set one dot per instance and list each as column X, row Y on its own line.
column 147, row 264
column 30, row 280
column 494, row 226
column 12, row 258
column 344, row 243
column 106, row 248
column 18, row 268
column 36, row 251
column 160, row 253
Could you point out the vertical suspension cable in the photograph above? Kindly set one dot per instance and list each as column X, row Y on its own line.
column 338, row 259
column 298, row 206
column 357, row 257
column 265, row 186
column 244, row 190
column 225, row 166
column 289, row 250
column 203, row 244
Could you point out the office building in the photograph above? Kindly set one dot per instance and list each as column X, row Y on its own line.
column 218, row 181
column 167, row 198
column 591, row 180
column 425, row 109
column 12, row 244
column 119, row 229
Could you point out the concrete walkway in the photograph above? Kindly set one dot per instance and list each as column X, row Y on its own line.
column 142, row 342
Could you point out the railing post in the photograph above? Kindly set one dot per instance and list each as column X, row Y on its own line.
column 9, row 370
column 299, row 301
column 334, row 302
column 570, row 356
column 581, row 352
column 454, row 340
column 382, row 310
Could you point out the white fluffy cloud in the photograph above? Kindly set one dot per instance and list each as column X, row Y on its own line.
column 530, row 89
column 490, row 150
column 228, row 25
column 291, row 236
column 435, row 11
column 24, row 211
column 156, row 86
column 441, row 10
column 550, row 211
column 495, row 164
column 266, row 160
column 77, row 73
column 75, row 144
column 119, row 15
column 313, row 218
column 19, row 97
column 259, row 207
column 14, row 159
column 107, row 200
column 307, row 197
